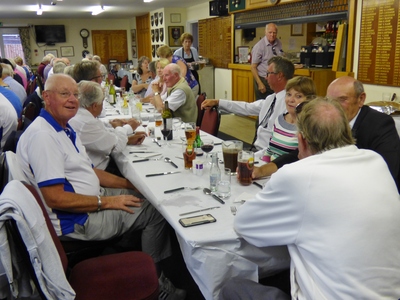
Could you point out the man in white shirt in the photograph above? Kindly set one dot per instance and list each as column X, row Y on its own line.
column 8, row 120
column 337, row 209
column 99, row 139
column 279, row 71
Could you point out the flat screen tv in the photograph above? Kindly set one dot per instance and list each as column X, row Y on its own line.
column 50, row 34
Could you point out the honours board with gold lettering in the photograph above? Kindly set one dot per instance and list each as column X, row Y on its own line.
column 379, row 57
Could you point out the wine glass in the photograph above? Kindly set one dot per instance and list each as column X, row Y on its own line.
column 165, row 132
column 176, row 123
column 207, row 147
column 145, row 121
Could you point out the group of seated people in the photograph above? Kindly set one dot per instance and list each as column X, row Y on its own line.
column 336, row 208
column 327, row 206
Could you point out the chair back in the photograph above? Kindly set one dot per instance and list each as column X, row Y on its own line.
column 30, row 88
column 3, row 171
column 211, row 120
column 124, row 82
column 200, row 112
column 56, row 240
column 111, row 77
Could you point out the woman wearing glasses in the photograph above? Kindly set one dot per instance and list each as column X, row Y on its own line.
column 284, row 136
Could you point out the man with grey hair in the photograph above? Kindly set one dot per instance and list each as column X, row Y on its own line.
column 83, row 202
column 337, row 209
column 179, row 96
column 12, row 83
column 100, row 141
column 103, row 68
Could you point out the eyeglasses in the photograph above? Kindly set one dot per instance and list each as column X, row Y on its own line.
column 97, row 77
column 65, row 95
column 274, row 51
column 299, row 107
column 268, row 73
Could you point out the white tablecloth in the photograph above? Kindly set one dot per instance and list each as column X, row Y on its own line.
column 213, row 252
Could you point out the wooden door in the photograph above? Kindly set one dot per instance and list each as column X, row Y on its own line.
column 143, row 35
column 110, row 44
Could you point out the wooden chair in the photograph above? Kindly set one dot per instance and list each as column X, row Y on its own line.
column 211, row 120
column 200, row 112
column 129, row 275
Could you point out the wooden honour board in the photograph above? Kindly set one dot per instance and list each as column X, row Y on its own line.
column 379, row 55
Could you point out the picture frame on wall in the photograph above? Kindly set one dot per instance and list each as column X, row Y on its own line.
column 243, row 53
column 296, row 30
column 174, row 33
column 134, row 52
column 133, row 37
column 54, row 52
column 67, row 51
column 175, row 18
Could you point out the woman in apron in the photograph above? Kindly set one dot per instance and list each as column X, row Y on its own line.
column 188, row 53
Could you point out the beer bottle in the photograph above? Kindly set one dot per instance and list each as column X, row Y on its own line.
column 112, row 95
column 198, row 142
column 167, row 120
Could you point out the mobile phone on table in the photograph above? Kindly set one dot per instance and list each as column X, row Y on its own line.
column 197, row 220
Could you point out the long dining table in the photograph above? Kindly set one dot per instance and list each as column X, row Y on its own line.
column 213, row 252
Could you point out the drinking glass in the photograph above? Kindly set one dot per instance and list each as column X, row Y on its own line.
column 230, row 150
column 165, row 132
column 176, row 123
column 207, row 147
column 158, row 119
column 145, row 121
column 224, row 185
column 245, row 167
column 190, row 131
column 189, row 154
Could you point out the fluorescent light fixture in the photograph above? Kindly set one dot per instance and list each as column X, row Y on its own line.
column 146, row 1
column 97, row 10
column 39, row 10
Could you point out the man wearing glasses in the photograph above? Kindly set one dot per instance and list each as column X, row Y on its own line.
column 269, row 46
column 371, row 129
column 83, row 202
column 279, row 71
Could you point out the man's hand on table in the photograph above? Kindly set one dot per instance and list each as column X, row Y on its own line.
column 137, row 138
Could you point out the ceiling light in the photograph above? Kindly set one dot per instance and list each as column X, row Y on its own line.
column 39, row 10
column 98, row 10
column 146, row 1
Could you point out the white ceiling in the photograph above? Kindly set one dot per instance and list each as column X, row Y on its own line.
column 80, row 9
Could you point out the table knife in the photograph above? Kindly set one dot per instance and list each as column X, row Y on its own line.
column 218, row 199
column 257, row 184
column 173, row 190
column 140, row 160
column 164, row 173
column 196, row 211
column 130, row 152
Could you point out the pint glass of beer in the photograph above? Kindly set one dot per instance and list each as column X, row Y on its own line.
column 245, row 167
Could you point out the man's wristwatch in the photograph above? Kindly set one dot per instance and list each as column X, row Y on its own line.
column 156, row 93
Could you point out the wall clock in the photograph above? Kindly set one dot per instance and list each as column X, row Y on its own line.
column 84, row 34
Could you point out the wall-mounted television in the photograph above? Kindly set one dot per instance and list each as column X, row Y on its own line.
column 50, row 34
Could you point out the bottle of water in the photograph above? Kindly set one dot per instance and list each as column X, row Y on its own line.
column 215, row 172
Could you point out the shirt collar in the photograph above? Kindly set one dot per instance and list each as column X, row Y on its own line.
column 351, row 123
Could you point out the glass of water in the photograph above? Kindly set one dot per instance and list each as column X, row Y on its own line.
column 224, row 185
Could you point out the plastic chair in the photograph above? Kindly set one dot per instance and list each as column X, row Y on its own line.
column 211, row 120
column 129, row 275
column 200, row 112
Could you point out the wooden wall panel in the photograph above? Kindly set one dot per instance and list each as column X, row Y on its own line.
column 110, row 44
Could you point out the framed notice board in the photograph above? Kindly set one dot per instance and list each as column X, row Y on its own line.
column 379, row 54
